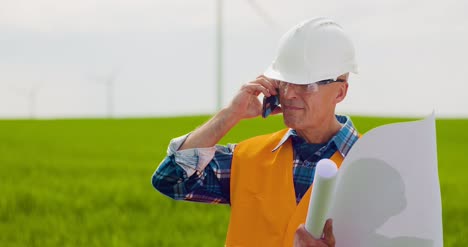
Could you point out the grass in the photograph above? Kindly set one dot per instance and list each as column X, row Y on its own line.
column 87, row 182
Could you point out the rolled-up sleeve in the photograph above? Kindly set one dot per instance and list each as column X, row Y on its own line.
column 198, row 174
column 191, row 160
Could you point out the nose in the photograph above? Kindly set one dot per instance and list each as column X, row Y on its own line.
column 289, row 91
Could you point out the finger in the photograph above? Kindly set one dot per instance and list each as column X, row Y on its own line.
column 301, row 236
column 328, row 236
column 256, row 89
column 273, row 81
column 267, row 83
column 301, row 228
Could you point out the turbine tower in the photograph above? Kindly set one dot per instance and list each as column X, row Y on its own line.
column 219, row 44
column 31, row 95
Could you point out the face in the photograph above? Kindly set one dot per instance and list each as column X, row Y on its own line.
column 305, row 109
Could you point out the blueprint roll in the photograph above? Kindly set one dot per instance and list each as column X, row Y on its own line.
column 321, row 198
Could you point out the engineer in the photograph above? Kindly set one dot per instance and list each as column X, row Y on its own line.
column 267, row 179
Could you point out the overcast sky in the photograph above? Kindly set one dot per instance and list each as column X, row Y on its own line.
column 412, row 55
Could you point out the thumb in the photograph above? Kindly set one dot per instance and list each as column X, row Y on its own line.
column 328, row 236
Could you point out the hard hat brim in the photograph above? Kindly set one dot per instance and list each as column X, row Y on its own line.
column 271, row 73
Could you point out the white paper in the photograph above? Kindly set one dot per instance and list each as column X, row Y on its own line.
column 387, row 190
column 322, row 194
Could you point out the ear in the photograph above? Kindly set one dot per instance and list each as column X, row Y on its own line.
column 342, row 91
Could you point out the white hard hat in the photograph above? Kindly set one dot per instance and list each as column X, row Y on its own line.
column 314, row 50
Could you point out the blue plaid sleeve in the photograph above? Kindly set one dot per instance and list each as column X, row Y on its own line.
column 210, row 185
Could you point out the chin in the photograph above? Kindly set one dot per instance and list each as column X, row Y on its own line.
column 292, row 123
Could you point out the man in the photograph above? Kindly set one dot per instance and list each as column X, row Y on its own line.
column 267, row 179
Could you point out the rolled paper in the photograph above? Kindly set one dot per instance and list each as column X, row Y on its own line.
column 321, row 198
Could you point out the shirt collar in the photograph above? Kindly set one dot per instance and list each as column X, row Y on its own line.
column 343, row 140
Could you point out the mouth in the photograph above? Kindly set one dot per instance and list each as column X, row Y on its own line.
column 292, row 108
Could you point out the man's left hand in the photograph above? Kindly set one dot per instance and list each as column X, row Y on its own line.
column 303, row 238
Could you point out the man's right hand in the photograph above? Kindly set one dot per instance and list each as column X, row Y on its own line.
column 246, row 103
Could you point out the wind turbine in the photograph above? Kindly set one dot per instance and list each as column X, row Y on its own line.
column 31, row 94
column 109, row 83
column 219, row 43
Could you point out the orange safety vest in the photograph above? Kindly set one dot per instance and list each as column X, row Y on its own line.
column 263, row 201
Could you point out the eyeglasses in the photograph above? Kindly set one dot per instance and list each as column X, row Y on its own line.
column 306, row 88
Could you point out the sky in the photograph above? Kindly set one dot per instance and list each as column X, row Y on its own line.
column 56, row 57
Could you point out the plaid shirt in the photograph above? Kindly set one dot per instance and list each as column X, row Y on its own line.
column 203, row 174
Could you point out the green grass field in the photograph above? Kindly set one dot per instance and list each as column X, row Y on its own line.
column 87, row 182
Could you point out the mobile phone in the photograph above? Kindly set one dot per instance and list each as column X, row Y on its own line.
column 270, row 104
